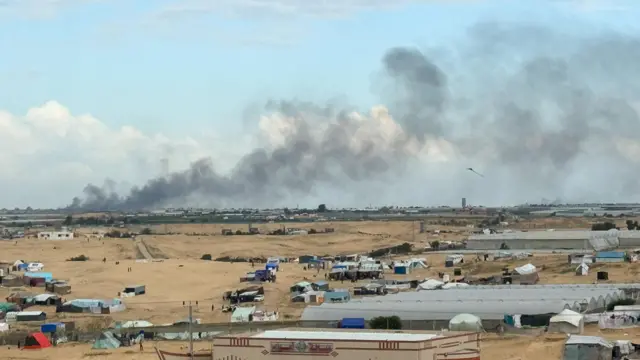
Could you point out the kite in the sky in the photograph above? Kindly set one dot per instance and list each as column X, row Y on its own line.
column 475, row 172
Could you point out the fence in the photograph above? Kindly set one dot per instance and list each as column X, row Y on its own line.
column 214, row 329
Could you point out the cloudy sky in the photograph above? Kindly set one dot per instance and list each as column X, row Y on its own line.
column 104, row 89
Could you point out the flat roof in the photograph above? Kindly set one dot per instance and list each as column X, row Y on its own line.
column 344, row 335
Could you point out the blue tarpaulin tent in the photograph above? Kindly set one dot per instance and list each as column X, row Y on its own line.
column 352, row 323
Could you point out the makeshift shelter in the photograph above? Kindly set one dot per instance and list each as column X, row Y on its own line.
column 135, row 290
column 610, row 256
column 578, row 347
column 582, row 269
column 106, row 340
column 46, row 299
column 300, row 287
column 430, row 284
column 568, row 322
column 466, row 322
column 52, row 327
column 36, row 341
column 61, row 288
column 525, row 275
column 402, row 269
column 11, row 280
column 352, row 323
column 136, row 324
column 320, row 285
column 31, row 316
column 453, row 260
column 243, row 314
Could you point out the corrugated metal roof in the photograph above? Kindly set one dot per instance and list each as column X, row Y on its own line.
column 487, row 302
column 454, row 294
column 440, row 310
column 344, row 335
column 544, row 235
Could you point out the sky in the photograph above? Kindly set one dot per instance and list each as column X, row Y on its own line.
column 92, row 90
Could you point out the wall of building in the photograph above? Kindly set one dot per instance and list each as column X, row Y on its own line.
column 458, row 346
column 55, row 235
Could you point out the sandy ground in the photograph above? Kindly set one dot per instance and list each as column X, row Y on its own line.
column 183, row 277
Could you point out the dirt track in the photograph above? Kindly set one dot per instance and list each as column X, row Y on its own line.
column 142, row 247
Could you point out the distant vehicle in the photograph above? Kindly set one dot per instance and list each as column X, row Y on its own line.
column 258, row 298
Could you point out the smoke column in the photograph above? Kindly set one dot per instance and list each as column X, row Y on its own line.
column 540, row 113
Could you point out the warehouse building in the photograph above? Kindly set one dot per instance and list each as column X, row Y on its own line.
column 433, row 309
column 293, row 344
column 546, row 240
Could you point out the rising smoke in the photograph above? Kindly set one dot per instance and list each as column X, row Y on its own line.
column 540, row 113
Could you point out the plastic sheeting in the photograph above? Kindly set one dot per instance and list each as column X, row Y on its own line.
column 430, row 284
column 465, row 322
column 526, row 269
column 603, row 240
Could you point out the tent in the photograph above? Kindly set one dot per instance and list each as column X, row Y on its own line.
column 430, row 284
column 580, row 347
column 36, row 341
column 568, row 322
column 582, row 269
column 106, row 341
column 465, row 322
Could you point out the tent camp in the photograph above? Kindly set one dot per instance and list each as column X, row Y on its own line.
column 568, row 322
column 580, row 347
column 106, row 341
column 582, row 269
column 466, row 322
column 36, row 341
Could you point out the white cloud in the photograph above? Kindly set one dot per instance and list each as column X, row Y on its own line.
column 51, row 153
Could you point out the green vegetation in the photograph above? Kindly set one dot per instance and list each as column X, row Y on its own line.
column 386, row 322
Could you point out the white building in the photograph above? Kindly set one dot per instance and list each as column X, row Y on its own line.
column 55, row 235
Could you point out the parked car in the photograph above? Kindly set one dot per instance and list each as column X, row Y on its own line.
column 258, row 298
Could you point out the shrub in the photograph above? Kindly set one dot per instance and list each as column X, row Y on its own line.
column 620, row 302
column 206, row 257
column 145, row 231
column 79, row 258
column 312, row 231
column 386, row 322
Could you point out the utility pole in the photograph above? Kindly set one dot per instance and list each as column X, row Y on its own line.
column 190, row 331
column 413, row 230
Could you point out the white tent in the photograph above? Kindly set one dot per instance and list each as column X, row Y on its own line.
column 582, row 269
column 568, row 322
column 136, row 324
column 465, row 322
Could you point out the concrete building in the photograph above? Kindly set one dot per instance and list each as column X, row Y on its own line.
column 292, row 344
column 548, row 240
column 55, row 235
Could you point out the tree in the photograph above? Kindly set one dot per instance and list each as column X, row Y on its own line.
column 322, row 208
column 435, row 244
column 68, row 220
column 386, row 322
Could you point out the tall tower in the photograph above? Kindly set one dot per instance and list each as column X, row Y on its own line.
column 464, row 203
column 164, row 167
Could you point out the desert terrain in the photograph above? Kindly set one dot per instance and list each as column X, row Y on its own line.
column 178, row 275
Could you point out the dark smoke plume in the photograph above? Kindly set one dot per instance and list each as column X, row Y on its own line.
column 538, row 110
